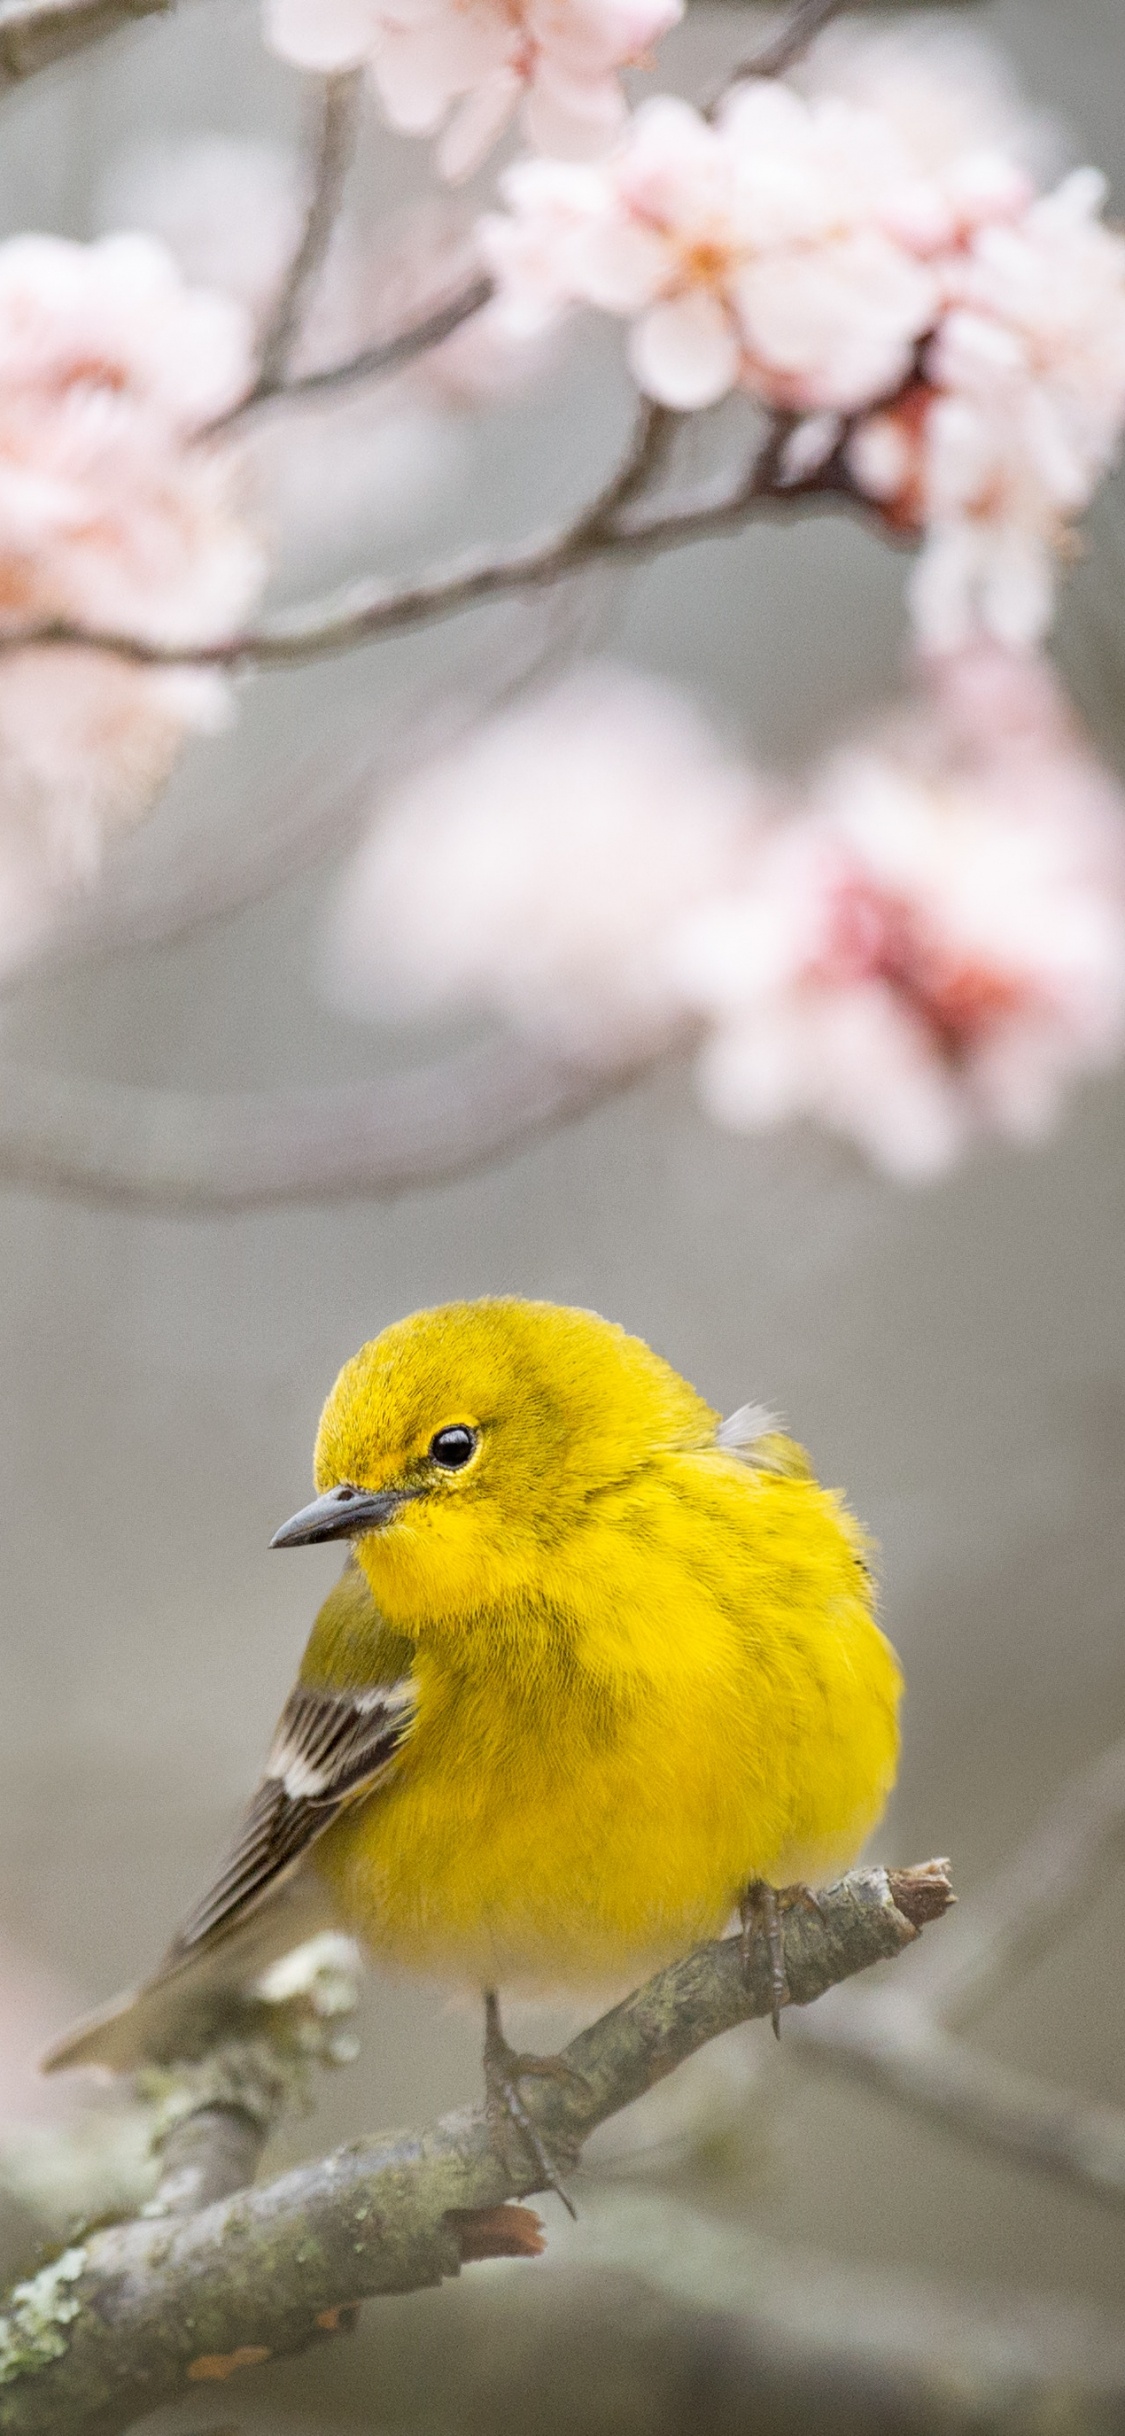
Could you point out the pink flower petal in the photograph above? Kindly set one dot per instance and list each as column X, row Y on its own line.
column 323, row 35
column 572, row 119
column 685, row 353
column 618, row 265
column 477, row 124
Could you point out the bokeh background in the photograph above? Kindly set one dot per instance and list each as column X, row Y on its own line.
column 954, row 1355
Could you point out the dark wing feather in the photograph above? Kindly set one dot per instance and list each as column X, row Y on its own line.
column 330, row 1747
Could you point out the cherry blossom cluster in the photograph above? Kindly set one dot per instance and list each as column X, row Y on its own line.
column 922, row 944
column 113, row 516
column 935, row 941
column 958, row 336
column 461, row 68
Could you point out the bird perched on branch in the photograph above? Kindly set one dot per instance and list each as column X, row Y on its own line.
column 601, row 1669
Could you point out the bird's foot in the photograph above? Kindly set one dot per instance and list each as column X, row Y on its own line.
column 760, row 1910
column 504, row 2069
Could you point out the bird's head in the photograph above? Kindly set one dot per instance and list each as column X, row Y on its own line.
column 462, row 1448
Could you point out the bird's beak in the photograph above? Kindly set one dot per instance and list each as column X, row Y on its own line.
column 343, row 1513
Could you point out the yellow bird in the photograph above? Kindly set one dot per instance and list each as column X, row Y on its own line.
column 601, row 1669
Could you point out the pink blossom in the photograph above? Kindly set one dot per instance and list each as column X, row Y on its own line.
column 777, row 249
column 1018, row 417
column 86, row 742
column 462, row 67
column 536, row 871
column 936, row 943
column 870, row 232
column 112, row 513
column 115, row 323
column 924, row 944
column 951, row 97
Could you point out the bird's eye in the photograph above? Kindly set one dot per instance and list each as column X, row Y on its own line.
column 452, row 1448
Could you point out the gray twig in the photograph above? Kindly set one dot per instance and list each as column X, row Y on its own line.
column 35, row 34
column 1010, row 1920
column 135, row 1148
column 389, row 355
column 898, row 2040
column 786, row 47
column 339, row 122
column 893, row 2046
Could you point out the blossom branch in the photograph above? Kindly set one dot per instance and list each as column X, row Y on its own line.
column 390, row 355
column 136, row 1148
column 806, row 21
column 368, row 611
column 339, row 123
column 120, row 2323
column 35, row 34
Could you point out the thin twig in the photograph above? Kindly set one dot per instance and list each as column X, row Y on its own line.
column 130, row 1147
column 339, row 123
column 390, row 355
column 789, row 45
column 1010, row 1920
column 892, row 2045
column 649, row 448
column 122, row 2321
column 899, row 2040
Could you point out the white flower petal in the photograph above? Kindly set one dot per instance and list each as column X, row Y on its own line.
column 572, row 119
column 322, row 35
column 685, row 353
column 618, row 265
column 477, row 125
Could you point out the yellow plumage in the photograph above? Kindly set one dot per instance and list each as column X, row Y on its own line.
column 603, row 1663
column 648, row 1670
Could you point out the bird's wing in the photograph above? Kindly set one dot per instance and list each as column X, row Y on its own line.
column 330, row 1747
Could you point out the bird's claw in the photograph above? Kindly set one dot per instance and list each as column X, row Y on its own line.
column 760, row 1911
column 504, row 2069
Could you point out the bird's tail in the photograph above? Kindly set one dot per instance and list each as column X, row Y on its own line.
column 199, row 1999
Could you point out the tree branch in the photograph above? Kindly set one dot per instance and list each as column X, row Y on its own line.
column 892, row 2045
column 389, row 355
column 339, row 124
column 136, row 1148
column 35, row 34
column 1012, row 1918
column 368, row 611
column 898, row 2040
column 121, row 2323
column 786, row 47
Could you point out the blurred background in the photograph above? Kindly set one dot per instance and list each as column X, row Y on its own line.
column 954, row 1355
